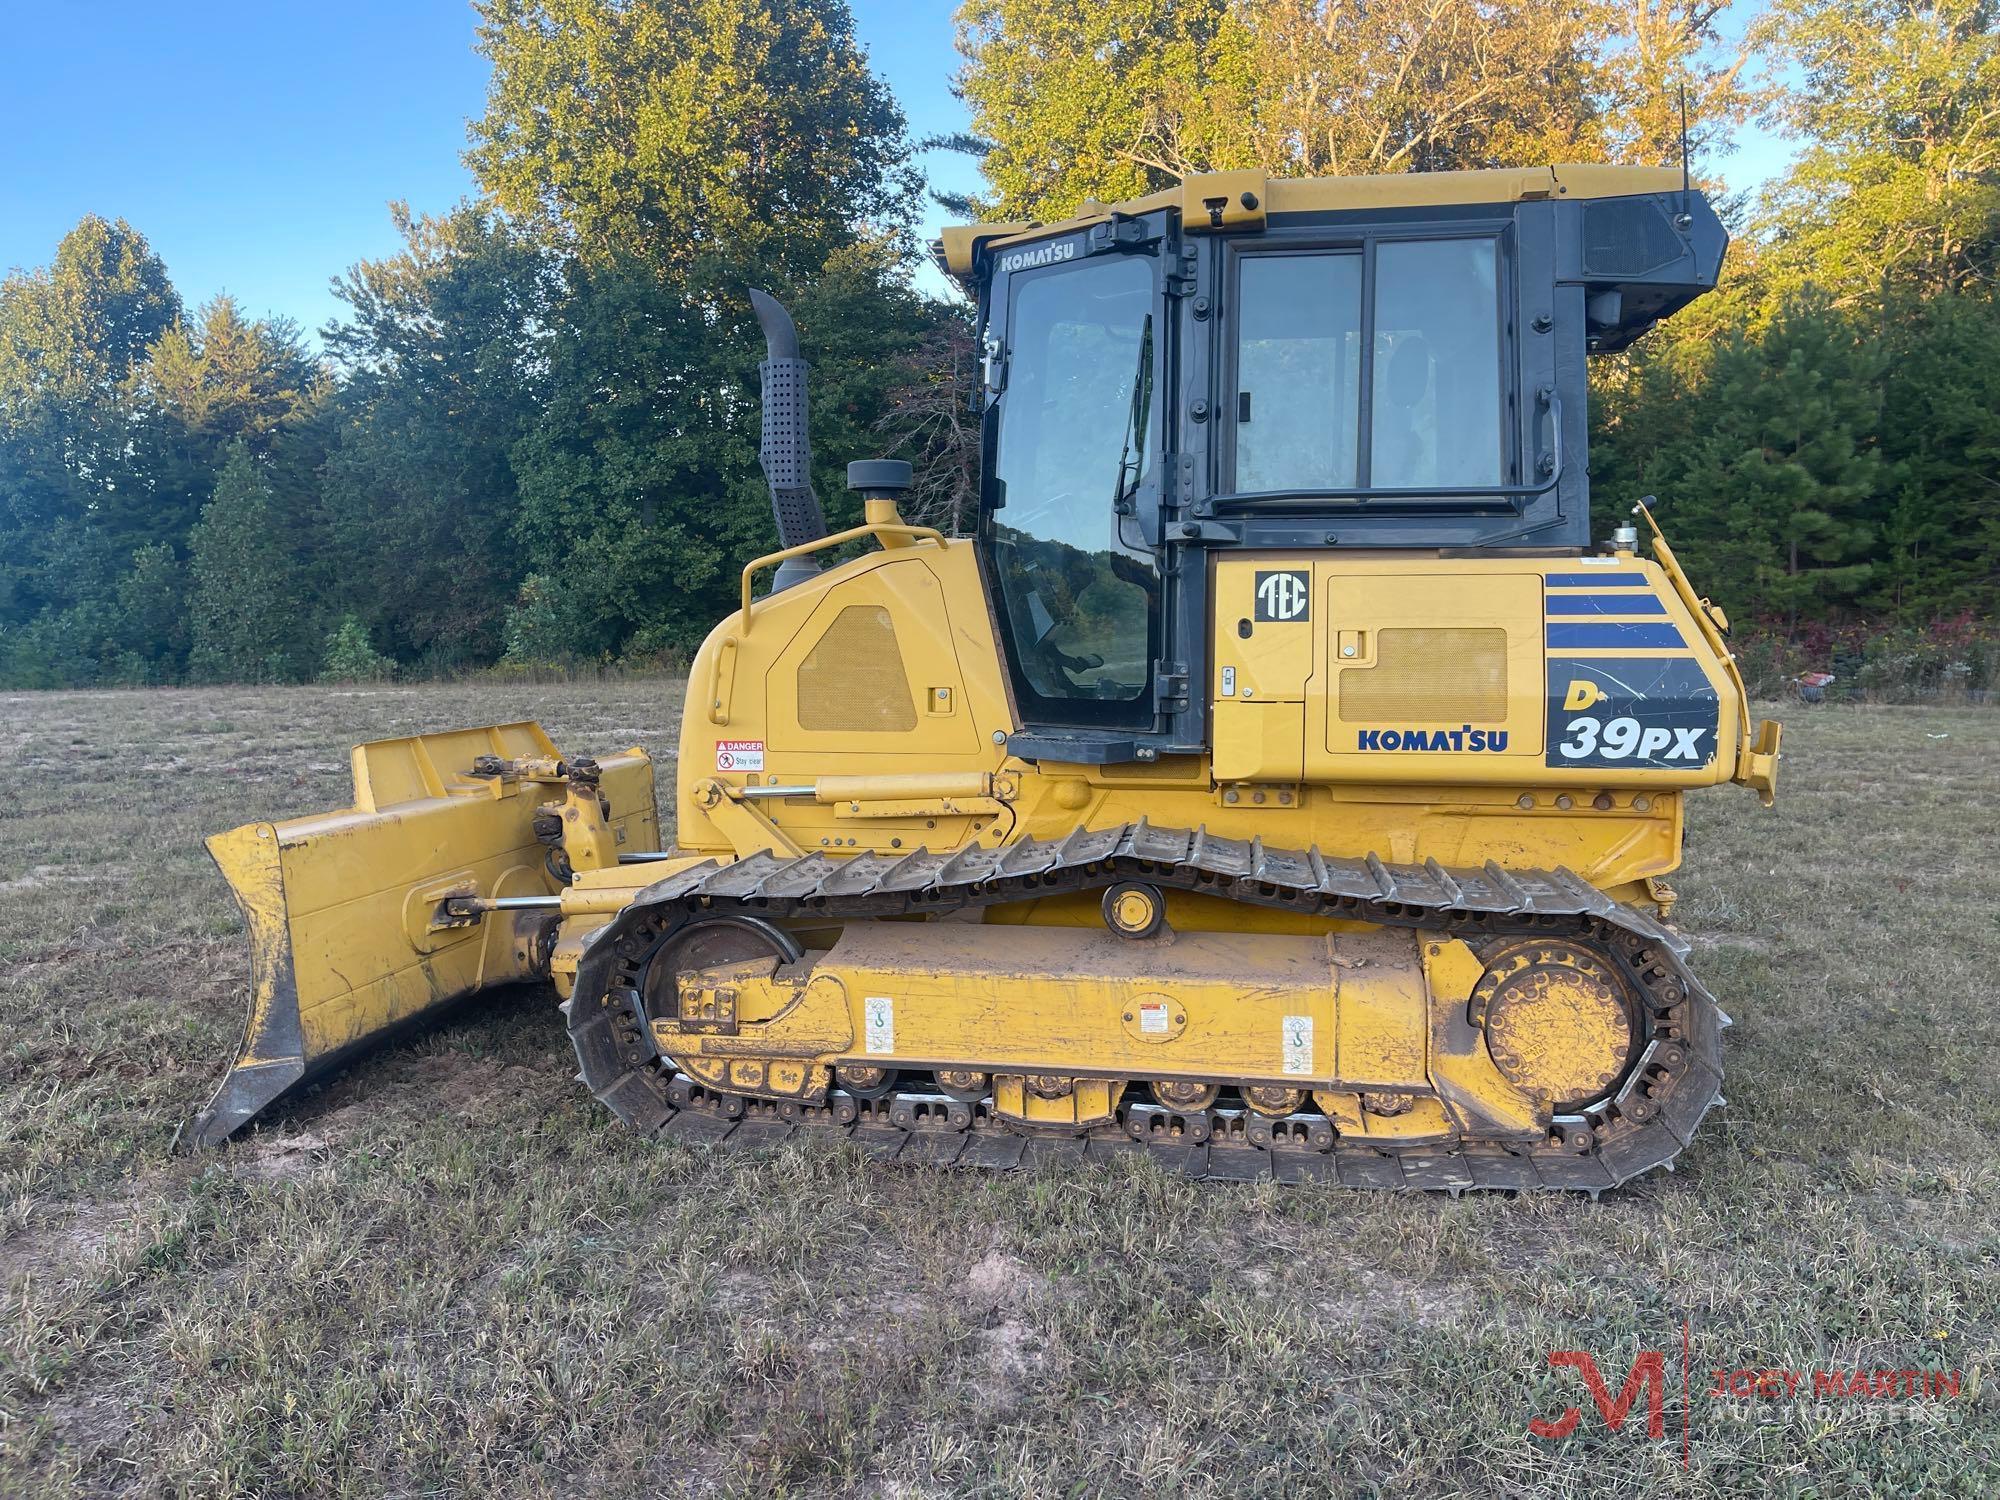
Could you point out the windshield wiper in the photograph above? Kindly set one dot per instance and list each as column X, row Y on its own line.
column 1130, row 466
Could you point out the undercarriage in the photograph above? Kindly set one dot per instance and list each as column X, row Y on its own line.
column 1486, row 1028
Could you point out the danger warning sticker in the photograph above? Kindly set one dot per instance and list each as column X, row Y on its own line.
column 1153, row 1019
column 739, row 755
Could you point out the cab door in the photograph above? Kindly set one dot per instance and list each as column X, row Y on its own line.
column 1076, row 369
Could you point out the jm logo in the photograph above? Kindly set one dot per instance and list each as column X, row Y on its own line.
column 1281, row 596
column 1648, row 1375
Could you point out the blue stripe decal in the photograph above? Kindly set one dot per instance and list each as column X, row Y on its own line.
column 1574, row 637
column 1605, row 604
column 1597, row 580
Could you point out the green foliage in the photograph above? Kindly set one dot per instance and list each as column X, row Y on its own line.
column 150, row 621
column 672, row 155
column 1101, row 98
column 747, row 131
column 1817, row 461
column 70, row 337
column 206, row 382
column 1110, row 99
column 351, row 657
column 1941, row 438
column 418, row 487
column 250, row 619
column 533, row 438
column 538, row 632
column 1898, row 106
column 1768, row 464
column 114, row 416
column 54, row 649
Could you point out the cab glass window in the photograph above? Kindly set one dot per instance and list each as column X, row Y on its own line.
column 1422, row 347
column 1298, row 373
column 1078, row 593
column 1436, row 408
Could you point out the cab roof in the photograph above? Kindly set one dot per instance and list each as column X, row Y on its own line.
column 1241, row 200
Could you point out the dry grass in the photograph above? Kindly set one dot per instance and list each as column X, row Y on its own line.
column 447, row 1273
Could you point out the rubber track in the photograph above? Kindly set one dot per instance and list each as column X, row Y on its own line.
column 1645, row 1124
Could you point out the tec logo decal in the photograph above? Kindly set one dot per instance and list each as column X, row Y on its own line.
column 1282, row 595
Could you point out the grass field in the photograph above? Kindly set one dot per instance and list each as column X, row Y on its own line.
column 446, row 1272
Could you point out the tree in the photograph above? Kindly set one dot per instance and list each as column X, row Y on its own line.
column 933, row 422
column 72, row 333
column 1425, row 85
column 1658, row 48
column 1111, row 99
column 70, row 336
column 251, row 620
column 1103, row 99
column 1899, row 109
column 224, row 377
column 206, row 383
column 352, row 657
column 676, row 129
column 443, row 357
column 1762, row 448
column 148, row 630
column 674, row 153
column 1940, row 427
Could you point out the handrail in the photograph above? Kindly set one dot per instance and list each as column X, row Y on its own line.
column 1710, row 632
column 853, row 533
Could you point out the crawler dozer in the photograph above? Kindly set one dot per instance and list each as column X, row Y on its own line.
column 1280, row 780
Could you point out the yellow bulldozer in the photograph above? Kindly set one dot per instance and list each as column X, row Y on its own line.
column 1279, row 781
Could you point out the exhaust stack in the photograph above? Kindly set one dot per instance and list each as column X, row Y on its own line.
column 785, row 451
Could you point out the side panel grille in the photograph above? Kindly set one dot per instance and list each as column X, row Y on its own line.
column 1424, row 676
column 854, row 678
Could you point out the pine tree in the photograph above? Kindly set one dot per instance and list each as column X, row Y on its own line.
column 250, row 623
column 352, row 657
column 1769, row 473
column 1940, row 427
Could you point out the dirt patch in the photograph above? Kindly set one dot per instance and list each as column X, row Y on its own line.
column 45, row 875
column 277, row 1158
column 1007, row 1292
column 999, row 1282
column 49, row 1252
column 88, row 1426
column 1011, row 1350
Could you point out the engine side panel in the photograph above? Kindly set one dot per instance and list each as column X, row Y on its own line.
column 1573, row 673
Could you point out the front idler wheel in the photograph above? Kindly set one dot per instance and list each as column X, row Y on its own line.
column 1559, row 1021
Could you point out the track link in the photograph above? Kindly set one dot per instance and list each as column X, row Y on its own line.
column 1651, row 1114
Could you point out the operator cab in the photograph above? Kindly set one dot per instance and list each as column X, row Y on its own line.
column 1243, row 363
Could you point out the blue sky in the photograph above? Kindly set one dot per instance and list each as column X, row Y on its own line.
column 257, row 145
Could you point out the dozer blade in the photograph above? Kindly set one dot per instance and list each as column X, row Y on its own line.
column 349, row 939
